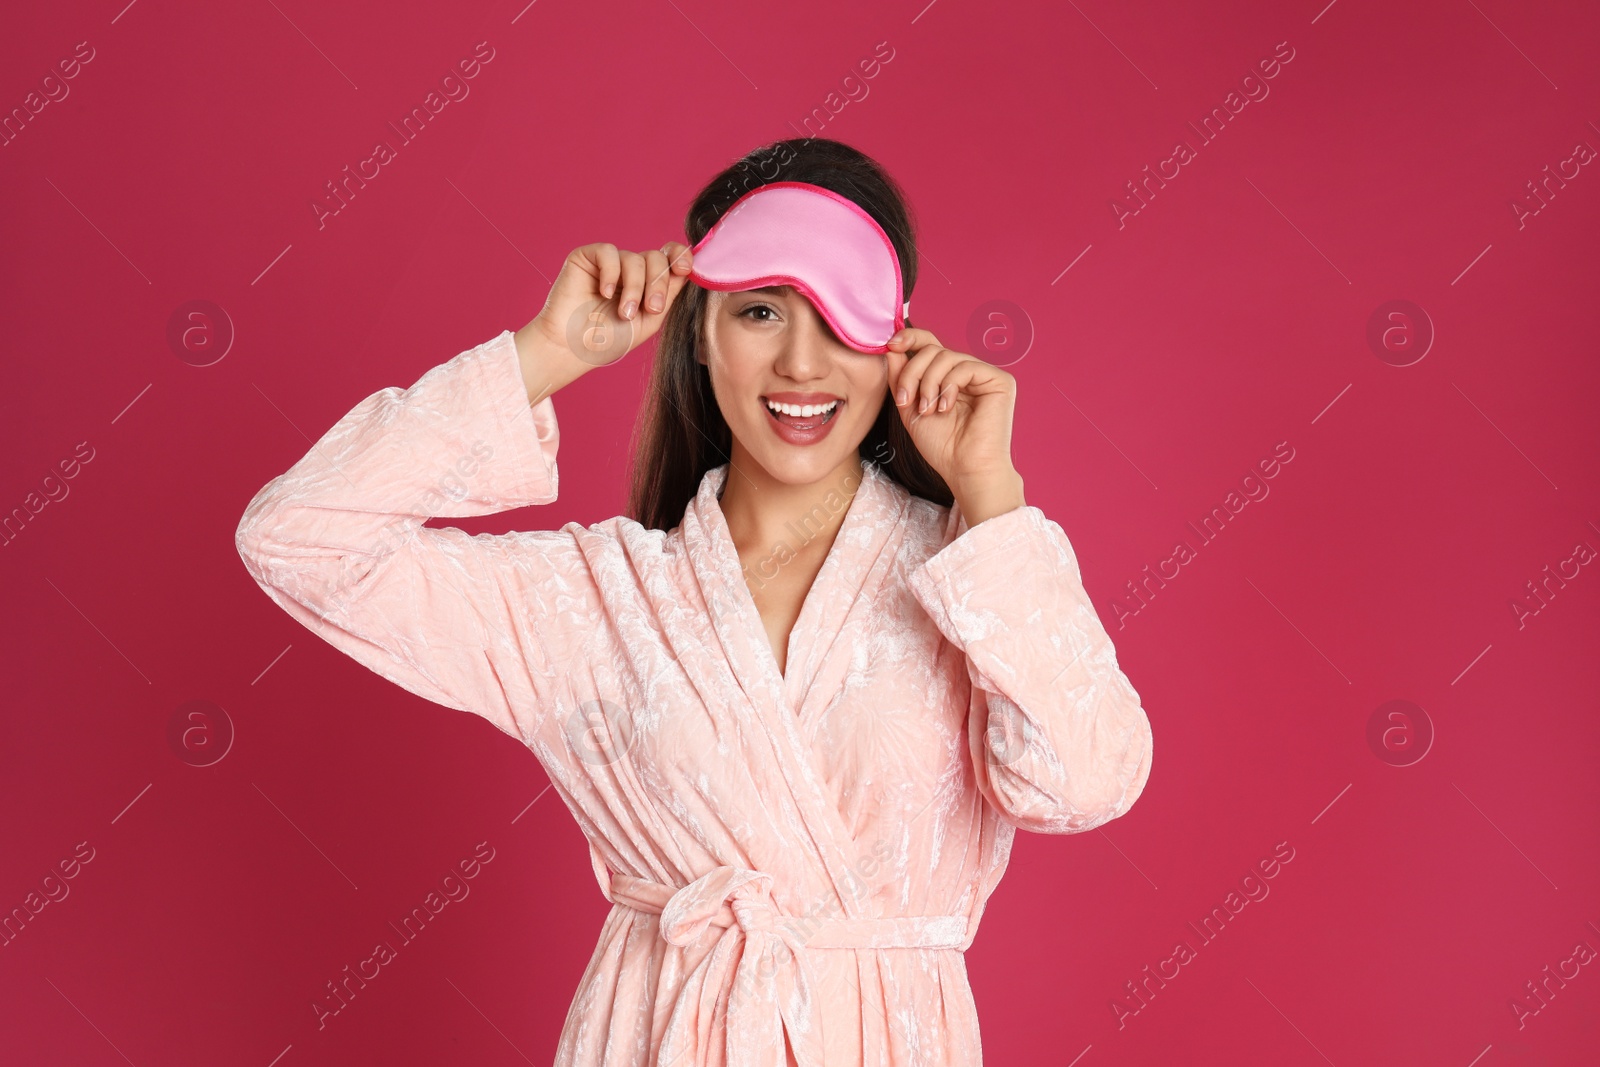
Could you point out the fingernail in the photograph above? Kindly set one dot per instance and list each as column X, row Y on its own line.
column 655, row 301
column 609, row 291
column 627, row 309
column 922, row 404
column 900, row 397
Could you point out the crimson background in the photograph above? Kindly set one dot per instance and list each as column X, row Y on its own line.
column 1228, row 315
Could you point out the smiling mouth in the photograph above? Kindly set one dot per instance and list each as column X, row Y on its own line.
column 803, row 416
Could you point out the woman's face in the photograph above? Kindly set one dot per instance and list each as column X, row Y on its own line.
column 770, row 345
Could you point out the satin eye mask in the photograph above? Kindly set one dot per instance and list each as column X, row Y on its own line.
column 826, row 246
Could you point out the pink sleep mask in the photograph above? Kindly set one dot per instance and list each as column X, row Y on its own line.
column 826, row 246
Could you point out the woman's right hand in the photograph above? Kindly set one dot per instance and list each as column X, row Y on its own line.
column 604, row 303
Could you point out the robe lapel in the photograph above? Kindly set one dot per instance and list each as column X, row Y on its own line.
column 858, row 561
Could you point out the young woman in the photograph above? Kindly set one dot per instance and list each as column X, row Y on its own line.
column 802, row 699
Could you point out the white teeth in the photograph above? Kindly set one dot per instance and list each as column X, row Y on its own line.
column 802, row 410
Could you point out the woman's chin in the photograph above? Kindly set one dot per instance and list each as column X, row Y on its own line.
column 795, row 470
column 801, row 464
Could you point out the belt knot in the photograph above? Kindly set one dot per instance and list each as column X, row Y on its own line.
column 764, row 974
column 745, row 894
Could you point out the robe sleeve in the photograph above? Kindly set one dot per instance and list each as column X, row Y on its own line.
column 475, row 623
column 1060, row 743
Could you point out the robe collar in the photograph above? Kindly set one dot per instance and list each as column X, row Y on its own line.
column 874, row 517
column 787, row 704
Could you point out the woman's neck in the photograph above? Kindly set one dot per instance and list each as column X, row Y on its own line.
column 764, row 513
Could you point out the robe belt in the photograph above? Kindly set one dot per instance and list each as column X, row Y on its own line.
column 773, row 988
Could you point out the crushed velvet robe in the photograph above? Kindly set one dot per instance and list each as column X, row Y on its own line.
column 796, row 861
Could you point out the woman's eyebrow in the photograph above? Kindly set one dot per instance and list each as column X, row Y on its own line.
column 780, row 290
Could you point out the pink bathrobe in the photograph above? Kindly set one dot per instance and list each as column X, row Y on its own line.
column 793, row 858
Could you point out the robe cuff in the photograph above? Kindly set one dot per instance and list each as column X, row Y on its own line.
column 530, row 432
column 967, row 585
column 1071, row 746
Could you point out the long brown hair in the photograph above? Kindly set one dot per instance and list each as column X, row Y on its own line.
column 680, row 433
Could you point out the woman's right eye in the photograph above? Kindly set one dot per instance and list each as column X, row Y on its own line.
column 756, row 307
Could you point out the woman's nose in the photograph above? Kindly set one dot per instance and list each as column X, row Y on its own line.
column 809, row 349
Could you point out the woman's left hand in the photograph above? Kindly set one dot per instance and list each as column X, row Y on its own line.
column 963, row 428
